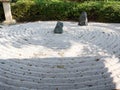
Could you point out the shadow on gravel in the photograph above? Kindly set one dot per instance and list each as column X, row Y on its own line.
column 69, row 73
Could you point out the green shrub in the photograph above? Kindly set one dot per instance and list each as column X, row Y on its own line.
column 110, row 12
column 42, row 11
column 20, row 11
column 32, row 10
column 92, row 9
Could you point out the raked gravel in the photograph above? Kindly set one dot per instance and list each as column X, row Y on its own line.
column 32, row 57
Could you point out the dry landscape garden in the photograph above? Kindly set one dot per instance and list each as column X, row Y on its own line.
column 60, row 45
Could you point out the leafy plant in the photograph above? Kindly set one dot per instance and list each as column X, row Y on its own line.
column 32, row 10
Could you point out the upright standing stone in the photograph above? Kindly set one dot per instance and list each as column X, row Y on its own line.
column 83, row 21
column 7, row 12
column 59, row 28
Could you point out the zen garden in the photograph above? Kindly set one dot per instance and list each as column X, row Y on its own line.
column 59, row 44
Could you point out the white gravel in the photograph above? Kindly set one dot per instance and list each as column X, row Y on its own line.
column 82, row 58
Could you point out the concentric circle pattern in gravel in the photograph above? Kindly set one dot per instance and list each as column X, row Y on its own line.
column 32, row 57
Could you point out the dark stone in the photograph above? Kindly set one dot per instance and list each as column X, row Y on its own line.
column 83, row 21
column 59, row 28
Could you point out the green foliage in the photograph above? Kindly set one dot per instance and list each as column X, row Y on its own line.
column 98, row 11
column 20, row 10
column 32, row 10
column 110, row 12
column 41, row 11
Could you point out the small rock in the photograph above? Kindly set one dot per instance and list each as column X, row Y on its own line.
column 2, row 62
column 83, row 21
column 25, row 39
column 97, row 59
column 21, row 67
column 60, row 66
column 89, row 85
column 59, row 28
